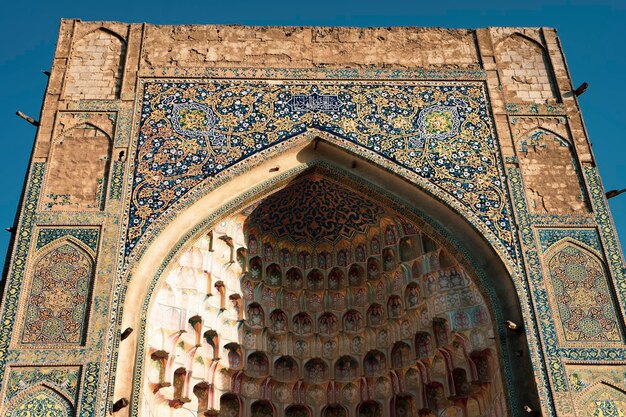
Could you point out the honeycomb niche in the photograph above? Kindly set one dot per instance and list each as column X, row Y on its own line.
column 319, row 300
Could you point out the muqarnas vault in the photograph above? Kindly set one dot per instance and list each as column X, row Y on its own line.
column 298, row 222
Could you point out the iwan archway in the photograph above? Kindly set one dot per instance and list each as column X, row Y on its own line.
column 311, row 291
column 473, row 136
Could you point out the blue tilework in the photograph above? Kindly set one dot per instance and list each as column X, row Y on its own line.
column 20, row 253
column 442, row 132
column 548, row 237
column 88, row 236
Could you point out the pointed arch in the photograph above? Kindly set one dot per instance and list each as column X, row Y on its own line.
column 56, row 310
column 100, row 55
column 78, row 169
column 576, row 275
column 517, row 50
column 250, row 339
column 42, row 399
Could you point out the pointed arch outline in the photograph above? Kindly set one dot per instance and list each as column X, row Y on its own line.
column 559, row 244
column 78, row 125
column 122, row 57
column 546, row 258
column 523, row 36
column 581, row 400
column 312, row 136
column 104, row 29
column 242, row 200
column 30, row 270
column 539, row 128
column 44, row 388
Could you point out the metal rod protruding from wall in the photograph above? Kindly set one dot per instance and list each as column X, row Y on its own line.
column 581, row 89
column 614, row 193
column 27, row 118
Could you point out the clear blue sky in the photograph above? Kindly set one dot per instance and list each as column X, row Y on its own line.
column 592, row 33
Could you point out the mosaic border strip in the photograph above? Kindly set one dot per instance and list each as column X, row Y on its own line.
column 555, row 353
column 89, row 390
column 20, row 255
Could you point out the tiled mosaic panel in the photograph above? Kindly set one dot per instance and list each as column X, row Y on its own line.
column 88, row 236
column 442, row 132
column 581, row 294
column 41, row 402
column 65, row 379
column 548, row 237
column 59, row 297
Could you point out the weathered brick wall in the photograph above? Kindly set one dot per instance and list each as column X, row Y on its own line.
column 95, row 70
column 549, row 166
column 78, row 169
column 526, row 70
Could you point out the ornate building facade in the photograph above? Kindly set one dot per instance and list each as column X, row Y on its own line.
column 299, row 222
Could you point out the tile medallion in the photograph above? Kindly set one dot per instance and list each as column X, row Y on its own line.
column 59, row 298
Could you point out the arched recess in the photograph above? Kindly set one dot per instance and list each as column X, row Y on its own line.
column 78, row 168
column 56, row 310
column 577, row 275
column 40, row 400
column 96, row 66
column 548, row 163
column 487, row 269
column 513, row 54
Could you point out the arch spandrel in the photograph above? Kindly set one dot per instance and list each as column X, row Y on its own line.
column 185, row 125
column 39, row 400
